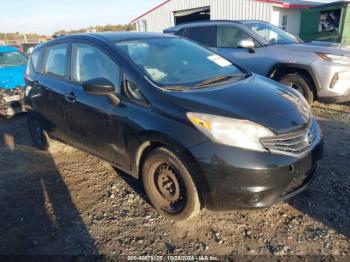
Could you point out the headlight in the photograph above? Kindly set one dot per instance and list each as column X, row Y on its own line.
column 339, row 59
column 231, row 132
column 302, row 99
column 302, row 105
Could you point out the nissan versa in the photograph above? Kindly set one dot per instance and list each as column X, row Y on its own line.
column 196, row 129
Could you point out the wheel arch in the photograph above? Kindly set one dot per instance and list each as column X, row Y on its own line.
column 155, row 140
column 281, row 69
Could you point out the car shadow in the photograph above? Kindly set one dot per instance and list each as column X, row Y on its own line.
column 38, row 216
column 134, row 183
column 328, row 197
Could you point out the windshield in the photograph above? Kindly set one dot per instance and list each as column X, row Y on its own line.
column 12, row 59
column 176, row 61
column 273, row 34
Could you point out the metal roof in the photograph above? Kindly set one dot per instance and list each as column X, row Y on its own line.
column 280, row 3
column 335, row 3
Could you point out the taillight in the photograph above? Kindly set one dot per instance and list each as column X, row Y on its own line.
column 26, row 78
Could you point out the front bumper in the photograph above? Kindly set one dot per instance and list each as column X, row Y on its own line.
column 334, row 81
column 335, row 99
column 11, row 101
column 238, row 178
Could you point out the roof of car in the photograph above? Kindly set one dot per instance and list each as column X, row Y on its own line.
column 5, row 49
column 117, row 36
column 208, row 22
column 125, row 36
column 247, row 22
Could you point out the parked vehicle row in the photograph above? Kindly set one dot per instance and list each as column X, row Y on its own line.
column 195, row 128
column 13, row 64
column 319, row 70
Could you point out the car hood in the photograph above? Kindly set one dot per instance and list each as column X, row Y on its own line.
column 12, row 77
column 256, row 98
column 320, row 47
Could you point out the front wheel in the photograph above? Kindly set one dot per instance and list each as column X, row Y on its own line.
column 169, row 185
column 300, row 83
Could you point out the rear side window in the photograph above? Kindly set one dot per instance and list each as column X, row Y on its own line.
column 90, row 62
column 56, row 60
column 9, row 59
column 204, row 35
column 35, row 59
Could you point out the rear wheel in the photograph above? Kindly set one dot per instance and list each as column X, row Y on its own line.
column 39, row 136
column 169, row 185
column 300, row 83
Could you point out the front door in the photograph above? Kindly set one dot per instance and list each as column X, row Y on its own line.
column 90, row 123
column 228, row 39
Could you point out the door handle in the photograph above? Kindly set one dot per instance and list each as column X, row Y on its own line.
column 71, row 97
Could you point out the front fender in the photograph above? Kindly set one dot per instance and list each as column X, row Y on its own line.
column 281, row 66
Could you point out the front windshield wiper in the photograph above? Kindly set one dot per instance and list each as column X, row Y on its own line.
column 218, row 79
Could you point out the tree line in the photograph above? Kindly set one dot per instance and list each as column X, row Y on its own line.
column 19, row 36
column 98, row 28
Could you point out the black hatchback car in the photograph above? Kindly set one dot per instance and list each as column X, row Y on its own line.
column 196, row 129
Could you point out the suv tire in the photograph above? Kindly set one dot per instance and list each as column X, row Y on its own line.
column 169, row 185
column 300, row 83
column 39, row 136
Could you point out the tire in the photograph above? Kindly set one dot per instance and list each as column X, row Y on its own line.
column 169, row 185
column 39, row 136
column 300, row 83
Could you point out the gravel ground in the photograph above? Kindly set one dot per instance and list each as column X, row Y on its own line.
column 69, row 202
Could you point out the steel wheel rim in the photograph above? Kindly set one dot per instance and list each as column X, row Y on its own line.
column 167, row 187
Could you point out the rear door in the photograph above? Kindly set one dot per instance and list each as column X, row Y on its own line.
column 205, row 35
column 50, row 86
column 89, row 120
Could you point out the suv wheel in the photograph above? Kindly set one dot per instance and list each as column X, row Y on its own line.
column 39, row 136
column 169, row 185
column 300, row 83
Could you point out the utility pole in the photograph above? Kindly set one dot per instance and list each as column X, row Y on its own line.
column 24, row 35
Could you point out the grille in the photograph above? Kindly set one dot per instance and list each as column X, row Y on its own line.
column 294, row 143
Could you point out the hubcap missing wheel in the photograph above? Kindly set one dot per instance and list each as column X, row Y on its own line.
column 170, row 187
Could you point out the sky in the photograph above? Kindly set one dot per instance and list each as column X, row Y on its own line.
column 49, row 16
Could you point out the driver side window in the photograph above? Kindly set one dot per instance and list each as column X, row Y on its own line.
column 267, row 34
column 90, row 62
column 230, row 37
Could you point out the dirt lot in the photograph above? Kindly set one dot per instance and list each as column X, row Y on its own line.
column 68, row 202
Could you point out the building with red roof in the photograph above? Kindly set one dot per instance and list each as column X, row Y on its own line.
column 283, row 13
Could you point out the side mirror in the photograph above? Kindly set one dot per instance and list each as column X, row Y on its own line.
column 101, row 87
column 248, row 44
